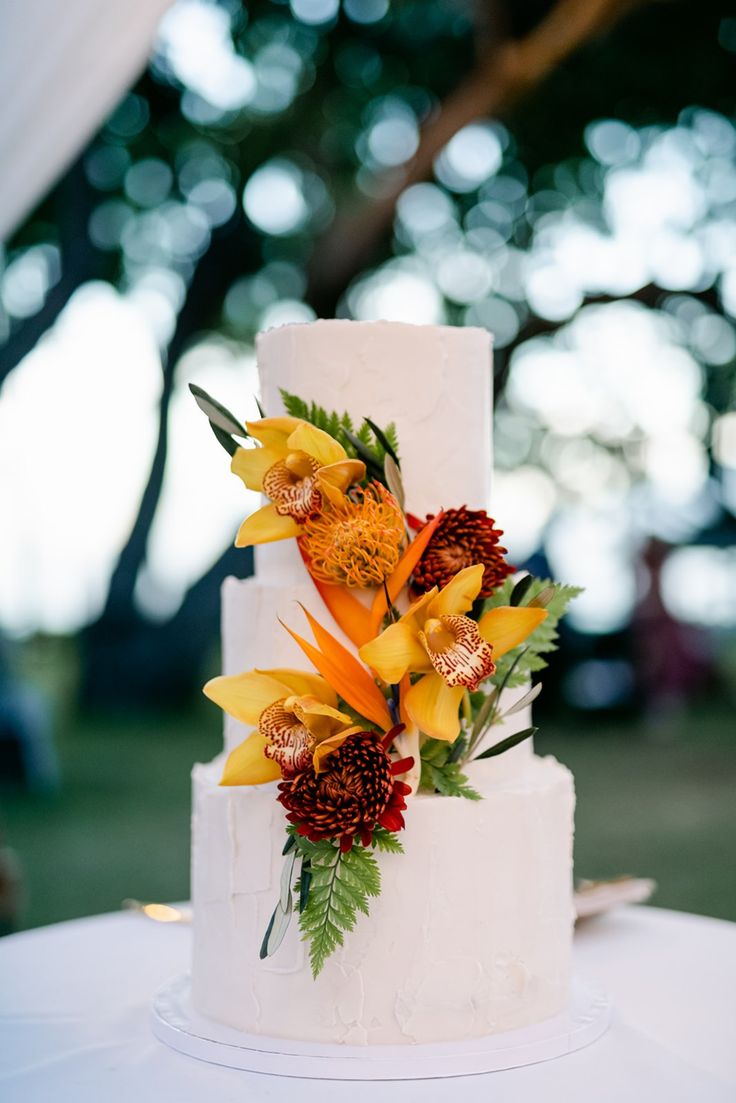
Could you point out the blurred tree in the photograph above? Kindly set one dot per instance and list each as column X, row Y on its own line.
column 364, row 139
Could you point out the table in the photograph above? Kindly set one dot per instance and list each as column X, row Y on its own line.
column 74, row 1028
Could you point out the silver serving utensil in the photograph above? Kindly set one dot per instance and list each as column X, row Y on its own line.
column 595, row 897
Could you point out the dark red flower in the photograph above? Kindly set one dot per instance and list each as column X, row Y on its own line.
column 357, row 791
column 462, row 537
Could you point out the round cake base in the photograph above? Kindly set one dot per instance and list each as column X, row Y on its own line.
column 176, row 1023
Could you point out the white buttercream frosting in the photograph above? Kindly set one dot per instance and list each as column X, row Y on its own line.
column 472, row 931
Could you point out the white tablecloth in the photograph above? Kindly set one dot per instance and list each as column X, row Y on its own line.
column 74, row 1004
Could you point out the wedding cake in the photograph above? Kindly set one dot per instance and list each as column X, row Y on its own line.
column 471, row 933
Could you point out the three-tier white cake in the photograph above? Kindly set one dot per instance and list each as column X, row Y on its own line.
column 472, row 932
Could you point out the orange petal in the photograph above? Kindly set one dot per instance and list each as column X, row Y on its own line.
column 506, row 626
column 351, row 681
column 348, row 612
column 405, row 566
column 354, row 670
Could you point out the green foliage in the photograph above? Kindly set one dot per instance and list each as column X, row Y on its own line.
column 368, row 443
column 507, row 744
column 529, row 656
column 441, row 771
column 340, row 888
column 386, row 841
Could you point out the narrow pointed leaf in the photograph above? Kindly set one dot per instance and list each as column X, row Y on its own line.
column 507, row 744
column 231, row 446
column 394, row 482
column 520, row 590
column 278, row 927
column 383, row 440
column 525, row 700
column 218, row 414
column 286, row 874
column 259, row 404
column 485, row 715
column 364, row 453
column 305, row 882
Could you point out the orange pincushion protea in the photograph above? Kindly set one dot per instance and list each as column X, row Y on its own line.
column 357, row 792
column 462, row 537
column 357, row 541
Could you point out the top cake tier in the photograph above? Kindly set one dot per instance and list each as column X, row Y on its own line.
column 434, row 382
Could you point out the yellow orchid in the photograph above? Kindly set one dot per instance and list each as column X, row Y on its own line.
column 294, row 465
column 452, row 652
column 298, row 723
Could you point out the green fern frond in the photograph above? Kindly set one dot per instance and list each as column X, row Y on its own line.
column 341, row 886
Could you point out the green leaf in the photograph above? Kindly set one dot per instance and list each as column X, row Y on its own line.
column 383, row 440
column 231, row 446
column 393, row 480
column 441, row 772
column 386, row 841
column 218, row 414
column 342, row 884
column 507, row 744
column 514, row 668
column 520, row 589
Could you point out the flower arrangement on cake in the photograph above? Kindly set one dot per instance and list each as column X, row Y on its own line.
column 435, row 626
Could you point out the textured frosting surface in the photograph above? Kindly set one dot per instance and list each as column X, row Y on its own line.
column 470, row 935
column 472, row 932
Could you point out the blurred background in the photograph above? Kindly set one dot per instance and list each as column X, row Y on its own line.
column 562, row 174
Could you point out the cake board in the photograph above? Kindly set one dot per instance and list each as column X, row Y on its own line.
column 179, row 1026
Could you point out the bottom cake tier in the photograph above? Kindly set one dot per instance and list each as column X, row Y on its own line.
column 471, row 934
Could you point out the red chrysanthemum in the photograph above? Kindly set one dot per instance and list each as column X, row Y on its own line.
column 462, row 537
column 357, row 791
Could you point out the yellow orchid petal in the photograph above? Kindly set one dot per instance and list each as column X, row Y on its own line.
column 264, row 526
column 321, row 721
column 393, row 653
column 274, row 432
column 433, row 707
column 251, row 464
column 315, row 442
column 245, row 696
column 341, row 475
column 324, row 749
column 418, row 612
column 248, row 765
column 302, row 683
column 460, row 593
column 507, row 626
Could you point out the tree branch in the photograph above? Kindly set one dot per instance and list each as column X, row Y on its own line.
column 502, row 76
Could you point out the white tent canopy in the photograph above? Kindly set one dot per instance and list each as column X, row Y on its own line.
column 63, row 68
